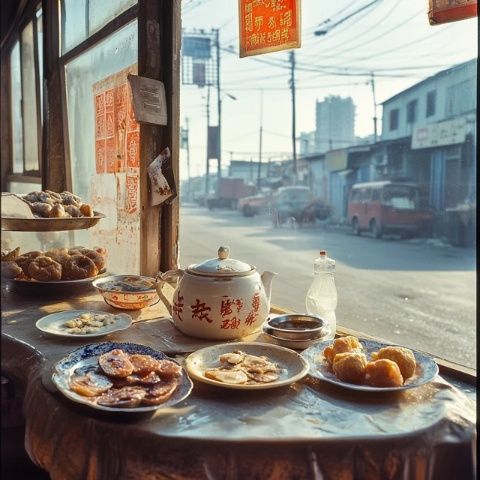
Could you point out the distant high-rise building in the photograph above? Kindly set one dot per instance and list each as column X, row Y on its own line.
column 335, row 123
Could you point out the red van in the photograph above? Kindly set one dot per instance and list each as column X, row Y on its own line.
column 388, row 207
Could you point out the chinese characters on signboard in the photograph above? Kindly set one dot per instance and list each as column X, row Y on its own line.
column 268, row 26
column 443, row 11
column 117, row 136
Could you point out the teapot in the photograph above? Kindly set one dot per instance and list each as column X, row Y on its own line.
column 218, row 299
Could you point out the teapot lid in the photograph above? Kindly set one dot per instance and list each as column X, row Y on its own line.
column 221, row 266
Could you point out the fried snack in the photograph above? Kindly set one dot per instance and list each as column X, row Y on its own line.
column 10, row 255
column 97, row 259
column 73, row 211
column 161, row 392
column 54, row 196
column 143, row 364
column 78, row 267
column 90, row 385
column 235, row 376
column 23, row 261
column 342, row 345
column 44, row 269
column 350, row 366
column 116, row 363
column 383, row 373
column 86, row 209
column 126, row 397
column 168, row 369
column 11, row 270
column 56, row 252
column 68, row 198
column 41, row 209
column 32, row 197
column 58, row 211
column 402, row 356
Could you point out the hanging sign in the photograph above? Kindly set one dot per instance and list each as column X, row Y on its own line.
column 268, row 26
column 443, row 11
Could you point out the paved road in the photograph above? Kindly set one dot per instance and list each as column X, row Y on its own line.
column 414, row 292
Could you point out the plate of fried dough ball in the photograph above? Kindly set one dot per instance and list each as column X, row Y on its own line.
column 56, row 267
column 52, row 211
column 368, row 365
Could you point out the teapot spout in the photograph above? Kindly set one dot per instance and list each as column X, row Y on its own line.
column 267, row 278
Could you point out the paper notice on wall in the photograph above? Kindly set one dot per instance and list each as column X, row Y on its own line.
column 160, row 190
column 443, row 11
column 149, row 101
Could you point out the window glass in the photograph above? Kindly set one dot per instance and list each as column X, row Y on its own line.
column 29, row 102
column 82, row 18
column 400, row 197
column 412, row 111
column 376, row 194
column 431, row 99
column 91, row 179
column 420, row 291
column 16, row 103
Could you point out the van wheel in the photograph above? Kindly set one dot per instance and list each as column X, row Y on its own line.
column 355, row 227
column 375, row 229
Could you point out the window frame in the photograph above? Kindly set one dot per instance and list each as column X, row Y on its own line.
column 393, row 119
column 431, row 103
column 412, row 110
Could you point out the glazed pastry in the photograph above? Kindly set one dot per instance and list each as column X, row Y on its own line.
column 44, row 269
column 57, row 252
column 350, row 366
column 32, row 197
column 383, row 373
column 143, row 364
column 23, row 261
column 342, row 345
column 116, row 363
column 11, row 270
column 97, row 259
column 68, row 198
column 86, row 209
column 402, row 356
column 80, row 266
column 73, row 211
column 58, row 211
column 10, row 255
column 160, row 392
column 41, row 209
column 126, row 397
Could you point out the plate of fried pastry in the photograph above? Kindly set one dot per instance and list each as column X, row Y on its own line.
column 121, row 377
column 368, row 365
column 246, row 366
column 47, row 211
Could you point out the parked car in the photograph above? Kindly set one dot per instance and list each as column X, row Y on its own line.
column 388, row 207
column 253, row 205
column 290, row 202
column 317, row 209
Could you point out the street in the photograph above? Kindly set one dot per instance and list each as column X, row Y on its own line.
column 417, row 293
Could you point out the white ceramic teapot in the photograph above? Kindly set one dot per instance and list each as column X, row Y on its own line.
column 219, row 299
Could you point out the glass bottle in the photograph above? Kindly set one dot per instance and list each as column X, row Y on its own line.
column 321, row 299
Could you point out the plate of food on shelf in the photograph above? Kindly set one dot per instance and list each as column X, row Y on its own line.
column 49, row 270
column 121, row 377
column 47, row 211
column 368, row 365
column 83, row 323
column 246, row 366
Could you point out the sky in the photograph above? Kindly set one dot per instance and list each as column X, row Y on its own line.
column 392, row 38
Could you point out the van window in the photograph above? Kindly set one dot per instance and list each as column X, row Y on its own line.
column 376, row 195
column 400, row 196
column 355, row 196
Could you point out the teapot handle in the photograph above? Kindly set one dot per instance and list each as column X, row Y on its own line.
column 160, row 281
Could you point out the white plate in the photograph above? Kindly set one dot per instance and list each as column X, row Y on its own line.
column 87, row 356
column 53, row 323
column 293, row 366
column 425, row 371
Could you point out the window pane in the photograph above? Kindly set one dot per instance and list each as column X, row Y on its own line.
column 82, row 18
column 29, row 101
column 40, row 56
column 16, row 99
column 420, row 291
column 100, row 64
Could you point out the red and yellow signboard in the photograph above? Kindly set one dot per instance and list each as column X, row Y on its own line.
column 268, row 26
column 443, row 11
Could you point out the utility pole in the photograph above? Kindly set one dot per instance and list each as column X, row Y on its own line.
column 219, row 106
column 372, row 83
column 207, row 174
column 260, row 142
column 294, row 147
column 189, row 193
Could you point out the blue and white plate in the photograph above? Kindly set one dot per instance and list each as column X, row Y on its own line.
column 87, row 356
column 425, row 371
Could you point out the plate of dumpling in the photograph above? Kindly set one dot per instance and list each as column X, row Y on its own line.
column 368, row 365
column 121, row 377
column 246, row 366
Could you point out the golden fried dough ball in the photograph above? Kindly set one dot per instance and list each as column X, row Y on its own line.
column 58, row 211
column 350, row 366
column 342, row 345
column 383, row 373
column 402, row 356
column 87, row 210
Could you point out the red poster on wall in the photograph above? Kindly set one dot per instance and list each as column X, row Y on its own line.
column 443, row 11
column 268, row 26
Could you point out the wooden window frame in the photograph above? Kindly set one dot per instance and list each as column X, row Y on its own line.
column 28, row 14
